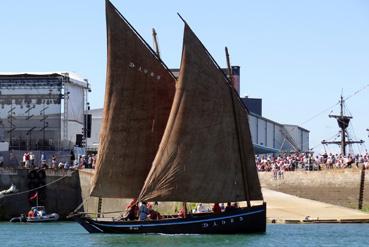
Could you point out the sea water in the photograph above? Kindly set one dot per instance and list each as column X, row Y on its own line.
column 72, row 234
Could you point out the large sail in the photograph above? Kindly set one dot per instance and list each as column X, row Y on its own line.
column 139, row 94
column 200, row 158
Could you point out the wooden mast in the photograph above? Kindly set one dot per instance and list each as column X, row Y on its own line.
column 156, row 44
column 240, row 142
column 230, row 74
column 343, row 122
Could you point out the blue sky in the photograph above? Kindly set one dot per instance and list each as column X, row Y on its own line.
column 296, row 55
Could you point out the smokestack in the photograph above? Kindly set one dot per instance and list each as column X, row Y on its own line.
column 236, row 78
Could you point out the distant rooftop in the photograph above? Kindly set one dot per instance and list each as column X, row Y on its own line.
column 73, row 77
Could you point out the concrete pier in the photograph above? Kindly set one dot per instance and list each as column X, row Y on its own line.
column 285, row 208
column 334, row 186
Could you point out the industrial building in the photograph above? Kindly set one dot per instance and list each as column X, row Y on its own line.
column 269, row 136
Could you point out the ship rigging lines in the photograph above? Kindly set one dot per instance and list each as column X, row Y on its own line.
column 332, row 106
column 345, row 108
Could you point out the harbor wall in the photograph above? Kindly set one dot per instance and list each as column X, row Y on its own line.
column 66, row 190
column 339, row 186
column 61, row 192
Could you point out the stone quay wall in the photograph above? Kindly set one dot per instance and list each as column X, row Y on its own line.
column 337, row 186
column 58, row 190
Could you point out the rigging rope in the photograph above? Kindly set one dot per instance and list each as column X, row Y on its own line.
column 34, row 189
column 327, row 109
column 357, row 91
column 351, row 131
column 335, row 136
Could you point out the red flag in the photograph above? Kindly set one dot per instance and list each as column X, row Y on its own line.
column 34, row 196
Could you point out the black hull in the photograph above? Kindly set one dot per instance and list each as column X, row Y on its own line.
column 245, row 220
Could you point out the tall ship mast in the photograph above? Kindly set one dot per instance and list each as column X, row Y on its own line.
column 343, row 122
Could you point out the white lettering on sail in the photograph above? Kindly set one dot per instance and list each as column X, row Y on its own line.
column 146, row 71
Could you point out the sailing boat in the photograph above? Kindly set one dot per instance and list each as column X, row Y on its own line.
column 185, row 140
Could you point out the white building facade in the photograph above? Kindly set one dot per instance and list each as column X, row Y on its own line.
column 42, row 111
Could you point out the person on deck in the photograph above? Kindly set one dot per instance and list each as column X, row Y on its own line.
column 153, row 215
column 229, row 207
column 216, row 208
column 35, row 212
column 143, row 212
column 131, row 211
column 200, row 208
column 182, row 213
column 30, row 214
column 42, row 212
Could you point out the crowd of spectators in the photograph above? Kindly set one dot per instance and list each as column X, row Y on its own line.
column 308, row 161
column 54, row 162
column 276, row 163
